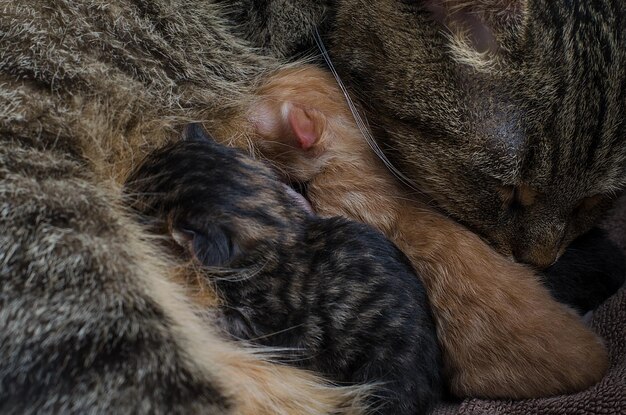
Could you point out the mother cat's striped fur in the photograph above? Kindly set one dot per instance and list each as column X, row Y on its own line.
column 508, row 114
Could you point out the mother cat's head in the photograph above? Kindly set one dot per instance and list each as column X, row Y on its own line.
column 509, row 113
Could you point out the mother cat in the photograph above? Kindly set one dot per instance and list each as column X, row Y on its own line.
column 86, row 89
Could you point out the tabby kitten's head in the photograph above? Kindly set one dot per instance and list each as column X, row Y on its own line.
column 224, row 215
column 509, row 113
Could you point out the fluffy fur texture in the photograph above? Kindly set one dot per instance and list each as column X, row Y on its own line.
column 331, row 295
column 92, row 317
column 508, row 114
column 88, row 88
column 502, row 334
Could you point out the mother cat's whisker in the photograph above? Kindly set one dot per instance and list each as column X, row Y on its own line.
column 362, row 125
column 277, row 332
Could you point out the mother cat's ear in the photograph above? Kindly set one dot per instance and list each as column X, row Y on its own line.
column 480, row 23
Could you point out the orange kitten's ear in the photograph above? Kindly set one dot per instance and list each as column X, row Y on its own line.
column 307, row 125
column 286, row 122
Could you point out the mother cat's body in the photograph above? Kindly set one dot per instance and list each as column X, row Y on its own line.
column 88, row 314
column 91, row 322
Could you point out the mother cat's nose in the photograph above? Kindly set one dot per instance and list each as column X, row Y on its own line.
column 539, row 243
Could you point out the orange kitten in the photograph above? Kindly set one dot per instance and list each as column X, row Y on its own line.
column 502, row 334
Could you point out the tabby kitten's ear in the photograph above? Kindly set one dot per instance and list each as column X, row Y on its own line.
column 195, row 132
column 480, row 23
column 212, row 246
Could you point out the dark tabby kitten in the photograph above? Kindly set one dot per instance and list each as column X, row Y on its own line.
column 508, row 113
column 335, row 296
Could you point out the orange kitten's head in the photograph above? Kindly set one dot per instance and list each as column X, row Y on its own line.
column 302, row 121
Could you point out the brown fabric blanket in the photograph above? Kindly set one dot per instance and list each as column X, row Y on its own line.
column 607, row 397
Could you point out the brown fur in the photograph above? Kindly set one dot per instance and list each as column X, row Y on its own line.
column 503, row 335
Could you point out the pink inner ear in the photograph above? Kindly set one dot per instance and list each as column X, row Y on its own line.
column 303, row 126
